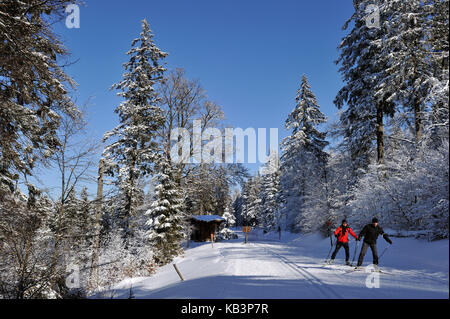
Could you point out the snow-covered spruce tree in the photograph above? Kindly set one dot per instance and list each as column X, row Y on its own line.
column 86, row 218
column 438, row 36
column 134, row 149
column 230, row 220
column 166, row 215
column 363, row 68
column 26, row 251
column 207, row 187
column 315, row 209
column 82, row 235
column 438, row 97
column 291, row 194
column 340, row 175
column 237, row 205
column 252, row 202
column 303, row 121
column 438, row 118
column 79, row 227
column 33, row 96
column 199, row 188
column 72, row 229
column 33, row 86
column 270, row 193
column 244, row 201
column 409, row 59
column 303, row 153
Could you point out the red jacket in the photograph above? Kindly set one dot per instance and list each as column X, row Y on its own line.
column 343, row 238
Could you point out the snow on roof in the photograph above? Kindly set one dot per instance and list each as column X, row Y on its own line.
column 208, row 218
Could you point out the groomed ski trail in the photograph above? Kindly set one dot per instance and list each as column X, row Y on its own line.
column 291, row 268
column 326, row 290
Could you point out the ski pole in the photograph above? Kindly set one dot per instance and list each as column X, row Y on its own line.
column 331, row 240
column 330, row 251
column 383, row 252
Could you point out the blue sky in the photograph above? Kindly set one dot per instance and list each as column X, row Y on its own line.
column 249, row 55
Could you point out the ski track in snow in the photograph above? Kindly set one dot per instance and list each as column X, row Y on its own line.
column 292, row 268
column 327, row 292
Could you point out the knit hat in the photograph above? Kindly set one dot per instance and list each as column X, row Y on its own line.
column 374, row 220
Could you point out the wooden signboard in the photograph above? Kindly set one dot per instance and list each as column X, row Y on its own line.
column 246, row 229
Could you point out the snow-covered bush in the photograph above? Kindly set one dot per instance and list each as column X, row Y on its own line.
column 227, row 234
column 230, row 220
column 118, row 260
column 410, row 192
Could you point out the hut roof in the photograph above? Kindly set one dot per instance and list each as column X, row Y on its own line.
column 208, row 218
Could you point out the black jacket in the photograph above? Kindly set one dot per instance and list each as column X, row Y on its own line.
column 371, row 233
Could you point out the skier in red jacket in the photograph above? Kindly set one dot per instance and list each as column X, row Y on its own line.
column 341, row 234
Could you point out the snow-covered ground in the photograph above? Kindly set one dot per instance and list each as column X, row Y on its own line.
column 293, row 268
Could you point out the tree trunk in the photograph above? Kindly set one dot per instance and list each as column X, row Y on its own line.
column 61, row 212
column 418, row 119
column 98, row 217
column 380, row 134
column 327, row 192
column 129, row 200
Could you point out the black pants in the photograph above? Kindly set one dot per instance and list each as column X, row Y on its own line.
column 364, row 248
column 338, row 246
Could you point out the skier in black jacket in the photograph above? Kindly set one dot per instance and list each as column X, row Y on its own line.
column 371, row 233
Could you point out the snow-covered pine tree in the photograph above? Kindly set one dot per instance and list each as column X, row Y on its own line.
column 78, row 223
column 33, row 86
column 316, row 207
column 84, row 228
column 166, row 215
column 438, row 38
column 207, row 187
column 408, row 77
column 252, row 201
column 438, row 35
column 303, row 121
column 230, row 221
column 337, row 188
column 362, row 67
column 237, row 206
column 303, row 151
column 270, row 193
column 245, row 201
column 86, row 214
column 135, row 147
column 26, row 254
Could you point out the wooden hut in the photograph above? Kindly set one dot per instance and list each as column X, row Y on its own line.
column 204, row 226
